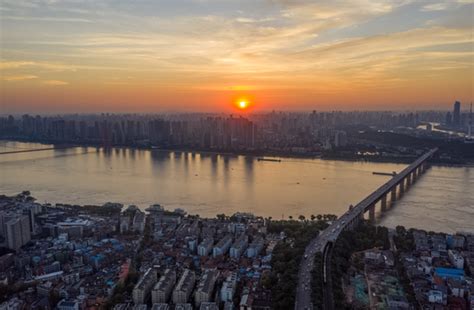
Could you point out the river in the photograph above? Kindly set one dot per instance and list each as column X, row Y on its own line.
column 208, row 184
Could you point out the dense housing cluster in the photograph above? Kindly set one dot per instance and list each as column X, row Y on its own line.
column 78, row 257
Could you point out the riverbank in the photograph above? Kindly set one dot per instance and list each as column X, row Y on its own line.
column 256, row 153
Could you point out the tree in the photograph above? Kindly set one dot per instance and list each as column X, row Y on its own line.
column 221, row 216
column 312, row 217
column 319, row 217
column 301, row 218
column 290, row 217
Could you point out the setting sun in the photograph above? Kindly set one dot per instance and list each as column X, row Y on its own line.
column 243, row 104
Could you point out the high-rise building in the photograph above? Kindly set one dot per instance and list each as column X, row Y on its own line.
column 457, row 114
column 17, row 231
column 255, row 247
column 469, row 138
column 205, row 247
column 184, row 288
column 205, row 287
column 142, row 289
column 228, row 288
column 449, row 119
column 222, row 246
column 340, row 138
column 239, row 246
column 162, row 290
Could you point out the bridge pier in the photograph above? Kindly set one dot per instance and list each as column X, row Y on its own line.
column 402, row 187
column 409, row 180
column 383, row 202
column 372, row 213
column 393, row 196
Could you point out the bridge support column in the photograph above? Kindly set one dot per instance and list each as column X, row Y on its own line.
column 383, row 202
column 402, row 187
column 393, row 196
column 372, row 213
column 408, row 180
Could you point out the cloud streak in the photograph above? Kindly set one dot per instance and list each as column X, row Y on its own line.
column 55, row 83
column 256, row 46
column 20, row 77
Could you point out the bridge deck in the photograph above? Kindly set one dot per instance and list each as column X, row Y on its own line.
column 341, row 223
column 330, row 234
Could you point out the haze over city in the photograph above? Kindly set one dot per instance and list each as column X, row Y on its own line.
column 207, row 56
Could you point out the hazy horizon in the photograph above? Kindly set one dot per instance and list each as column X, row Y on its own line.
column 448, row 108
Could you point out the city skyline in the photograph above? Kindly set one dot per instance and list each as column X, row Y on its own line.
column 207, row 56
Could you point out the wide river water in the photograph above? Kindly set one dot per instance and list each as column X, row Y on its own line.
column 208, row 184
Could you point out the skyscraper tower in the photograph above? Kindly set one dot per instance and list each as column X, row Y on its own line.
column 469, row 138
column 457, row 114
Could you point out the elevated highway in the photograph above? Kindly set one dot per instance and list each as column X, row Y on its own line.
column 323, row 243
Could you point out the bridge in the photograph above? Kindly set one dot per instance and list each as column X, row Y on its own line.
column 36, row 150
column 324, row 242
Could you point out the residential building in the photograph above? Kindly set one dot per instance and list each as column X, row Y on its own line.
column 142, row 289
column 222, row 246
column 228, row 288
column 184, row 288
column 205, row 247
column 205, row 287
column 162, row 290
column 239, row 246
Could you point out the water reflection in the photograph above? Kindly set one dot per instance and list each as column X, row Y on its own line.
column 208, row 184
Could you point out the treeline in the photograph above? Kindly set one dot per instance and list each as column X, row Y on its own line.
column 286, row 259
column 365, row 236
column 458, row 150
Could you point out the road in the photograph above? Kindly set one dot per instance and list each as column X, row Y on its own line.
column 330, row 235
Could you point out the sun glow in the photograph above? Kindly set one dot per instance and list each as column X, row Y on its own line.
column 243, row 104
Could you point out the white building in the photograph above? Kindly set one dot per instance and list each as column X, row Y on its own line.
column 124, row 223
column 228, row 288
column 222, row 246
column 17, row 231
column 255, row 247
column 456, row 259
column 205, row 247
column 239, row 247
column 139, row 221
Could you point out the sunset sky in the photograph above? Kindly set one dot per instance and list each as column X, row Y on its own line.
column 205, row 55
